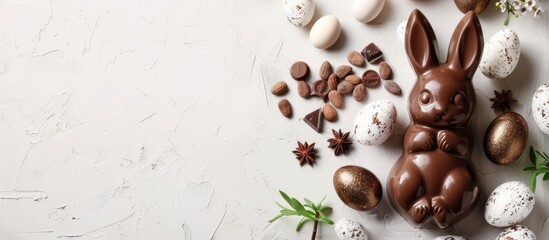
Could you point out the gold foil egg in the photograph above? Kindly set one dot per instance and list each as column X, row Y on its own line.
column 505, row 139
column 357, row 187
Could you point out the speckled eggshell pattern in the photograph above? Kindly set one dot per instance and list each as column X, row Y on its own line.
column 347, row 229
column 450, row 237
column 299, row 12
column 540, row 108
column 401, row 30
column 509, row 204
column 375, row 122
column 501, row 54
column 517, row 232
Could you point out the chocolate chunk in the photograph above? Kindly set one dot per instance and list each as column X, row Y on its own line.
column 314, row 119
column 299, row 70
column 320, row 89
column 371, row 78
column 372, row 53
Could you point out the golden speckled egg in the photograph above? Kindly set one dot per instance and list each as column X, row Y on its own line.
column 505, row 139
column 357, row 187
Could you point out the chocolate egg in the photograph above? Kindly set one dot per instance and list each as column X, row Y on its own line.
column 357, row 187
column 505, row 139
column 472, row 5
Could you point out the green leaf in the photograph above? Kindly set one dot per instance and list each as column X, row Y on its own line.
column 276, row 217
column 288, row 212
column 297, row 205
column 532, row 156
column 301, row 223
column 319, row 205
column 537, row 160
column 309, row 204
column 288, row 199
column 529, row 169
column 533, row 182
column 326, row 220
column 546, row 177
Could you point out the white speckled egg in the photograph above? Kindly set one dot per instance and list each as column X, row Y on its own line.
column 508, row 204
column 347, row 229
column 450, row 237
column 375, row 122
column 401, row 31
column 540, row 108
column 517, row 232
column 367, row 10
column 501, row 54
column 299, row 12
column 325, row 32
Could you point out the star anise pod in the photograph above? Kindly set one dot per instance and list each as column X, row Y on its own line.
column 340, row 142
column 305, row 153
column 503, row 100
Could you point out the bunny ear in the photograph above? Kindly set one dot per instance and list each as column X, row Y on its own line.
column 466, row 45
column 420, row 42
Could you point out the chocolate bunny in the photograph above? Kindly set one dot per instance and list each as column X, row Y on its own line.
column 433, row 176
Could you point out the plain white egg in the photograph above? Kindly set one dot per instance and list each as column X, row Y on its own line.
column 325, row 32
column 367, row 10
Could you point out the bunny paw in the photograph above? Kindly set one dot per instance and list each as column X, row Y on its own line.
column 440, row 210
column 420, row 210
column 422, row 141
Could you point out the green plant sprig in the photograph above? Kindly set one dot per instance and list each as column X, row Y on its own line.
column 541, row 166
column 309, row 212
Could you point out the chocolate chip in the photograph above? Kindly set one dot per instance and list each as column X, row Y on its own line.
column 303, row 89
column 345, row 87
column 370, row 78
column 356, row 58
column 372, row 53
column 325, row 70
column 285, row 108
column 385, row 71
column 343, row 70
column 332, row 82
column 359, row 93
column 299, row 70
column 392, row 87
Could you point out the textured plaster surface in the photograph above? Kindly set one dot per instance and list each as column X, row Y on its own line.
column 154, row 119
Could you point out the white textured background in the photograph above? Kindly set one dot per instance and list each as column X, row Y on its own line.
column 154, row 119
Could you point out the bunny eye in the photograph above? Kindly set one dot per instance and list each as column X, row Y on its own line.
column 459, row 99
column 425, row 98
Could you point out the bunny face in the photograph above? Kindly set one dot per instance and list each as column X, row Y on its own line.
column 442, row 98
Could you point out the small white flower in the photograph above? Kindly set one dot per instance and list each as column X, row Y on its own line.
column 516, row 4
column 503, row 5
column 530, row 4
column 523, row 10
column 538, row 12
